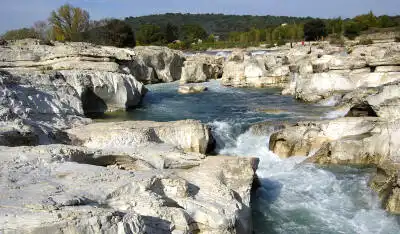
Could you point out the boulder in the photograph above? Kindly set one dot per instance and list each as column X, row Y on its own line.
column 306, row 138
column 201, row 68
column 166, row 63
column 244, row 70
column 105, row 91
column 185, row 89
column 314, row 87
column 189, row 135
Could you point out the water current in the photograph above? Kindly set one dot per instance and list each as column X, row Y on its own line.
column 293, row 197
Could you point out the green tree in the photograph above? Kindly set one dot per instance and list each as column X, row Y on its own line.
column 150, row 34
column 192, row 32
column 352, row 30
column 114, row 33
column 314, row 30
column 171, row 33
column 385, row 21
column 19, row 34
column 211, row 38
column 335, row 26
column 68, row 23
column 366, row 21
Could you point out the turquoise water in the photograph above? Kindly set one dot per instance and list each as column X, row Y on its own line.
column 294, row 197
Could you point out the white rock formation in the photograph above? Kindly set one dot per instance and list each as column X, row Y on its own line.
column 201, row 68
column 188, row 135
column 244, row 70
column 45, row 190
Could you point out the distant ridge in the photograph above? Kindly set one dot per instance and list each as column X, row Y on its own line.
column 218, row 24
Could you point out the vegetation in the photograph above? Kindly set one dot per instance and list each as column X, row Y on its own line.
column 366, row 42
column 352, row 30
column 199, row 31
column 114, row 33
column 217, row 24
column 19, row 34
column 68, row 23
column 315, row 30
column 336, row 39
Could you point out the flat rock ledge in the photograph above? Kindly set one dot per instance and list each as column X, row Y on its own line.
column 75, row 189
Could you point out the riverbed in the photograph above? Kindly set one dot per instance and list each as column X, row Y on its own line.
column 294, row 197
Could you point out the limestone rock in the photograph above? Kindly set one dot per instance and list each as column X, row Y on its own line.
column 105, row 91
column 306, row 138
column 166, row 63
column 185, row 89
column 243, row 70
column 45, row 190
column 35, row 108
column 201, row 68
column 189, row 135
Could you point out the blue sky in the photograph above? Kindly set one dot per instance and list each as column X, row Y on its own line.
column 22, row 13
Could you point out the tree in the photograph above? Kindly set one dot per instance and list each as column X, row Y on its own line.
column 366, row 21
column 150, row 34
column 68, row 23
column 192, row 32
column 335, row 26
column 19, row 34
column 352, row 30
column 42, row 29
column 314, row 30
column 171, row 33
column 114, row 33
column 385, row 21
column 211, row 38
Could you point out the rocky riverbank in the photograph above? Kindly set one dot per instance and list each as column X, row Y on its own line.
column 363, row 85
column 62, row 173
column 156, row 177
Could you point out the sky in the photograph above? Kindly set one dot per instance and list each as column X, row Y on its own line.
column 23, row 13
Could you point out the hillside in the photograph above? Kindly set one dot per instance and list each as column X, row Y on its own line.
column 218, row 24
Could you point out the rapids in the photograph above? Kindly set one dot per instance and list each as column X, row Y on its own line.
column 293, row 197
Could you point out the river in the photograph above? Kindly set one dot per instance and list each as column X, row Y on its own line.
column 293, row 197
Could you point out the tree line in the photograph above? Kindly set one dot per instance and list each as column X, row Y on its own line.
column 188, row 31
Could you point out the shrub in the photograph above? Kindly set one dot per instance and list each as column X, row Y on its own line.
column 314, row 30
column 337, row 41
column 46, row 42
column 115, row 33
column 352, row 30
column 366, row 41
column 19, row 34
column 3, row 42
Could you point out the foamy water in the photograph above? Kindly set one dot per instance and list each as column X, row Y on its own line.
column 294, row 197
column 302, row 198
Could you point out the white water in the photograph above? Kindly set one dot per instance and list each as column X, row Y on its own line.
column 294, row 197
column 302, row 198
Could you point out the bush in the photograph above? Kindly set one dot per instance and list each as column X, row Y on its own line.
column 3, row 42
column 337, row 41
column 19, row 34
column 352, row 30
column 46, row 42
column 115, row 33
column 366, row 41
column 314, row 30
